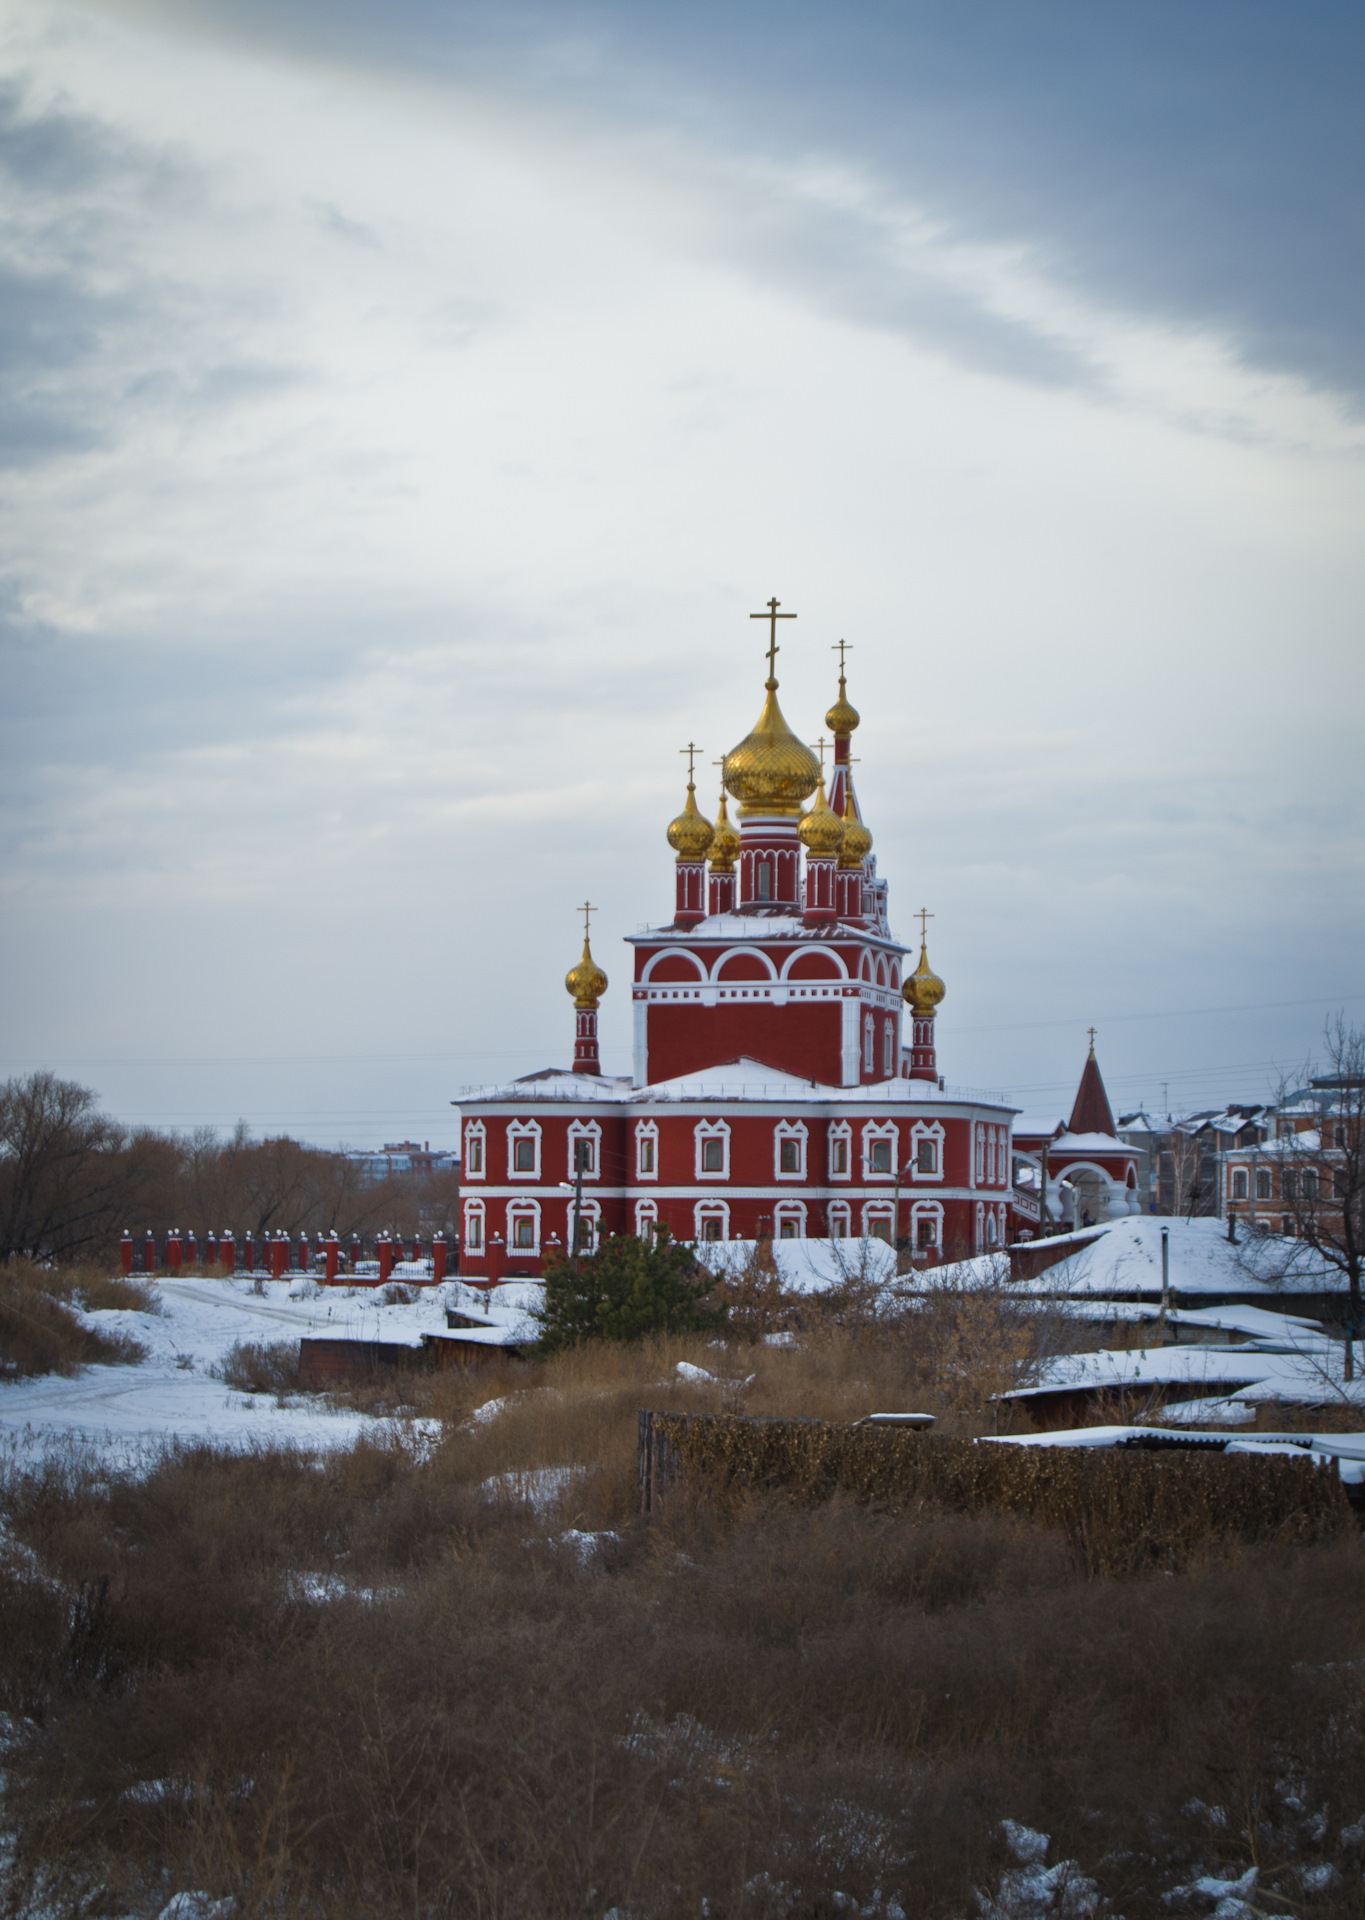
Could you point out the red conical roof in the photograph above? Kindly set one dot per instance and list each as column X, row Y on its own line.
column 1092, row 1112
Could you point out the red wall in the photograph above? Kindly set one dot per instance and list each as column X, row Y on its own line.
column 688, row 1039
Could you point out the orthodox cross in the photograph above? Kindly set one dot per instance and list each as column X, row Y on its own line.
column 841, row 647
column 585, row 910
column 772, row 616
column 819, row 746
column 1092, row 1039
column 691, row 750
column 924, row 917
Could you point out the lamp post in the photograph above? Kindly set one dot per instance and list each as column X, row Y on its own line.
column 575, row 1186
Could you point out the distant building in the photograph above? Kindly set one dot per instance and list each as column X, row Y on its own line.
column 1192, row 1153
column 1092, row 1174
column 403, row 1156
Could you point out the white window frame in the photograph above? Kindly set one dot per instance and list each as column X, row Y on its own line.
column 522, row 1130
column 523, row 1210
column 841, row 1133
column 931, row 1210
column 646, row 1218
column 879, row 1210
column 880, row 1130
column 869, row 1043
column 793, row 1211
column 1234, row 1175
column 475, row 1137
column 474, row 1217
column 712, row 1130
column 978, row 1154
column 591, row 1131
column 979, row 1237
column 839, row 1215
column 710, row 1210
column 888, row 1048
column 790, row 1130
column 646, row 1131
column 590, row 1225
column 927, row 1130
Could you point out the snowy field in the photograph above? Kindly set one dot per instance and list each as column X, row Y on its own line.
column 173, row 1394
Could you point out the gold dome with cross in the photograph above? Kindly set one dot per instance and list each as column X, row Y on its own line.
column 771, row 771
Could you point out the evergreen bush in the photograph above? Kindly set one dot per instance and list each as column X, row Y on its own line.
column 628, row 1289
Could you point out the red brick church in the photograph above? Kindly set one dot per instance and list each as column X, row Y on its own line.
column 785, row 1078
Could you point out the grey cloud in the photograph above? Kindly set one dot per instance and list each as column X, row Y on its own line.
column 1200, row 164
column 332, row 220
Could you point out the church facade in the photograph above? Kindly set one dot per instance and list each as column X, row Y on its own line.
column 786, row 1077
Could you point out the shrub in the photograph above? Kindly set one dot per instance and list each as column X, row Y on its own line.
column 628, row 1289
column 253, row 1366
column 40, row 1333
column 1123, row 1511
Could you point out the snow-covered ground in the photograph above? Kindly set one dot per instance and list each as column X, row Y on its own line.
column 172, row 1393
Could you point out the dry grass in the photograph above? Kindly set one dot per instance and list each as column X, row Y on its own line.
column 385, row 1682
column 39, row 1331
column 253, row 1366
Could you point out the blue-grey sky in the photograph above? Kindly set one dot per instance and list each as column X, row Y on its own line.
column 403, row 409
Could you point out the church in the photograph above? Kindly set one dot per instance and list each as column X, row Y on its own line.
column 786, row 1080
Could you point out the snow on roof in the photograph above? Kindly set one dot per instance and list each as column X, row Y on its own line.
column 1092, row 1143
column 1347, row 1449
column 551, row 1083
column 749, row 1079
column 1258, row 1323
column 1313, row 1376
column 764, row 926
column 806, row 1266
column 1124, row 1256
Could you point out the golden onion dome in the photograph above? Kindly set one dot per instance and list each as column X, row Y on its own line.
column 691, row 833
column 923, row 990
column 725, row 842
column 843, row 716
column 857, row 840
column 771, row 771
column 821, row 831
column 586, row 982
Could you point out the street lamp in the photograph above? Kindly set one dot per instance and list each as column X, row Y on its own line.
column 575, row 1186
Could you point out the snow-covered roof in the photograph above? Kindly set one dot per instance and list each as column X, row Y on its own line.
column 764, row 926
column 1124, row 1257
column 1257, row 1323
column 806, row 1266
column 1092, row 1143
column 1346, row 1449
column 1312, row 1376
column 551, row 1083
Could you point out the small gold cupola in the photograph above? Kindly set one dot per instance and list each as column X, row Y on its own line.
column 691, row 833
column 586, row 981
column 923, row 991
column 725, row 842
column 857, row 842
column 843, row 717
column 821, row 831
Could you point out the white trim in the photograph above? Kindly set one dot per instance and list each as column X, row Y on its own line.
column 673, row 953
column 883, row 1211
column 710, row 1210
column 712, row 1130
column 816, row 980
column 880, row 1130
column 790, row 1130
column 840, row 1134
column 792, row 1211
column 931, row 1130
column 838, row 1214
column 646, row 1217
column 522, row 1210
column 591, row 1131
column 475, row 1148
column 932, row 1211
column 848, row 1042
column 647, row 1131
column 727, row 954
column 475, row 1238
column 640, row 1050
column 522, row 1130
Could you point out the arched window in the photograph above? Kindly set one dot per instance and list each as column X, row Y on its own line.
column 888, row 1049
column 867, row 1043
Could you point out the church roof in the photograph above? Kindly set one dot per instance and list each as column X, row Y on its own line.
column 1092, row 1112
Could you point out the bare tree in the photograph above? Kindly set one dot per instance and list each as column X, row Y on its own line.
column 1319, row 1167
column 63, row 1178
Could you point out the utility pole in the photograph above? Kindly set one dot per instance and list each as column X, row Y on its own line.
column 1165, row 1281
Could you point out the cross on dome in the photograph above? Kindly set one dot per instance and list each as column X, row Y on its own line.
column 691, row 750
column 924, row 917
column 772, row 616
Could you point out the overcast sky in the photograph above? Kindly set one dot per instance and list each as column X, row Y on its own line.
column 405, row 407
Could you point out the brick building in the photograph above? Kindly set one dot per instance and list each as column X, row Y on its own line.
column 785, row 1076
